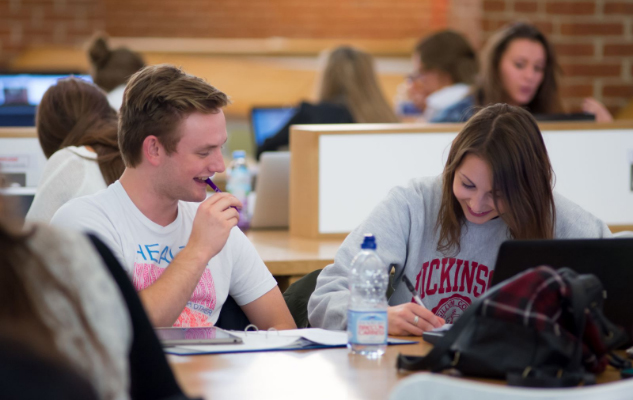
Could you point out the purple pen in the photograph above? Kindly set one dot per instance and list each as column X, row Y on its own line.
column 215, row 188
column 210, row 183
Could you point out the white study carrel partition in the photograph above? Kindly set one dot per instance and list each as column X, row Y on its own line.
column 357, row 165
column 21, row 153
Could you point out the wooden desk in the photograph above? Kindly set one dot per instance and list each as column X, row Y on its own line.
column 310, row 374
column 289, row 258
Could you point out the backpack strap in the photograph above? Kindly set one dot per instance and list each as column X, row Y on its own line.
column 618, row 362
column 579, row 302
column 549, row 379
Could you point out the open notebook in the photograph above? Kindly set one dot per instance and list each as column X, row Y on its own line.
column 294, row 339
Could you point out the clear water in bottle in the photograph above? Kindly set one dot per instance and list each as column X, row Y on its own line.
column 367, row 311
column 239, row 185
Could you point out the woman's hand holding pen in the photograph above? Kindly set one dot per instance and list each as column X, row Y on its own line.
column 403, row 322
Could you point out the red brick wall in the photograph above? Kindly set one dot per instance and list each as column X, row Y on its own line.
column 28, row 22
column 593, row 39
column 366, row 19
column 466, row 17
column 41, row 22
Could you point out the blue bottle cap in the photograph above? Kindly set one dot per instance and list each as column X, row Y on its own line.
column 239, row 154
column 369, row 242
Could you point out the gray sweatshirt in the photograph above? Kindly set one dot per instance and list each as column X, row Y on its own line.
column 404, row 227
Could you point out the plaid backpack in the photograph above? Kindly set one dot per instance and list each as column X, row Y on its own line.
column 542, row 328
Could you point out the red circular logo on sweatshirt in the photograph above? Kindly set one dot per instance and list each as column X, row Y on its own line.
column 451, row 308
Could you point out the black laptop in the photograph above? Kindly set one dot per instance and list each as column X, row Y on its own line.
column 611, row 260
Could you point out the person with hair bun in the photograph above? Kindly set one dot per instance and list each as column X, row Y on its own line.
column 445, row 66
column 519, row 67
column 77, row 130
column 443, row 233
column 112, row 68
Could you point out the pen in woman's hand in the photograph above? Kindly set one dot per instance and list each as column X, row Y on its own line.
column 414, row 293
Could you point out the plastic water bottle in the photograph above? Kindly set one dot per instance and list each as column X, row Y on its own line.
column 367, row 312
column 239, row 185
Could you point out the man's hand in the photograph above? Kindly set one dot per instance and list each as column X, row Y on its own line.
column 401, row 320
column 212, row 225
column 417, row 94
column 165, row 299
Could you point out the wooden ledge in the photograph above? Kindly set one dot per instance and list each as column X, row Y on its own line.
column 265, row 46
column 18, row 132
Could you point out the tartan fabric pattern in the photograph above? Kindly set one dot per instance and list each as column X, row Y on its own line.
column 535, row 298
column 540, row 298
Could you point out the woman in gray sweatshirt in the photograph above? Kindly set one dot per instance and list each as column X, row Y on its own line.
column 444, row 232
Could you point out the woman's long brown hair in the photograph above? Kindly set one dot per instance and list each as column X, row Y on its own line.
column 74, row 112
column 509, row 140
column 490, row 87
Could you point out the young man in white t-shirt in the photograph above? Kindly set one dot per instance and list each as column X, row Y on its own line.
column 184, row 254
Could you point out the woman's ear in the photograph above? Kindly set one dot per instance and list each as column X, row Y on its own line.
column 153, row 150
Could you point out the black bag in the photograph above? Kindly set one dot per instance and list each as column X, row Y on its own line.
column 542, row 328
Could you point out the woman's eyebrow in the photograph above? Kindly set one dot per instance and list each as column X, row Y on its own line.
column 468, row 179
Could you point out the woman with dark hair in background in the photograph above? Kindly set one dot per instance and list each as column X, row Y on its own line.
column 519, row 67
column 77, row 130
column 111, row 69
column 445, row 67
column 442, row 232
column 348, row 91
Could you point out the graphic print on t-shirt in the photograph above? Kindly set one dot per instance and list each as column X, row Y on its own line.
column 147, row 269
column 450, row 285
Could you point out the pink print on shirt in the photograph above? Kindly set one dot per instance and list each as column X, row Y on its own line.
column 203, row 300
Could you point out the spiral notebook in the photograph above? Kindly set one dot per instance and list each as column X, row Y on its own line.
column 293, row 339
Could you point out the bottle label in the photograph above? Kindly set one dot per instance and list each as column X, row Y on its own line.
column 367, row 327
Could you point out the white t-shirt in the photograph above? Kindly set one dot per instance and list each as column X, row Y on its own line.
column 70, row 172
column 115, row 97
column 145, row 249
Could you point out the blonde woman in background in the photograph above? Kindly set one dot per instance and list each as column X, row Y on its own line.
column 347, row 91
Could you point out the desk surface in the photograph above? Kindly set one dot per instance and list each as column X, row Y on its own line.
column 294, row 256
column 310, row 374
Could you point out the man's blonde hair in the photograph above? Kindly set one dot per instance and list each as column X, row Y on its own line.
column 156, row 100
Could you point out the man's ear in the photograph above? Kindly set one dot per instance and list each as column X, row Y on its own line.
column 153, row 150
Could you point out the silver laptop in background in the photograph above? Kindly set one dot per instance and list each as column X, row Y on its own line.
column 271, row 208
